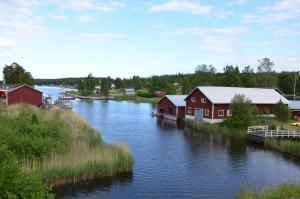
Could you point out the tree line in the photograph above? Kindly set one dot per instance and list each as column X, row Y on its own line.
column 205, row 75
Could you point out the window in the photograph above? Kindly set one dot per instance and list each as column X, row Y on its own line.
column 206, row 112
column 193, row 99
column 203, row 100
column 190, row 110
column 229, row 112
column 170, row 110
column 221, row 113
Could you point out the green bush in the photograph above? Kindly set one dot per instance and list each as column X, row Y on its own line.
column 16, row 184
column 282, row 112
column 242, row 111
column 145, row 95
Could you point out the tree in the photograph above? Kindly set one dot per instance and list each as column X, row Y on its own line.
column 231, row 76
column 248, row 77
column 282, row 112
column 203, row 68
column 136, row 83
column 118, row 83
column 265, row 65
column 87, row 85
column 105, row 86
column 158, row 83
column 242, row 110
column 266, row 77
column 16, row 184
column 286, row 82
column 15, row 74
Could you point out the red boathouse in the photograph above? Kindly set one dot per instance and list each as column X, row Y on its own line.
column 172, row 107
column 24, row 94
column 211, row 104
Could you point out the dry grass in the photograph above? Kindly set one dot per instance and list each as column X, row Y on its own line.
column 88, row 156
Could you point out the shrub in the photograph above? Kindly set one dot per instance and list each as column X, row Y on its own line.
column 16, row 184
column 282, row 112
column 146, row 95
column 242, row 111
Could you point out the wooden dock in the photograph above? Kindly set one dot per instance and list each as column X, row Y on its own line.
column 260, row 133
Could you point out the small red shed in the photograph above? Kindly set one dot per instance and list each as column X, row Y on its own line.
column 295, row 109
column 24, row 94
column 2, row 92
column 159, row 94
column 172, row 107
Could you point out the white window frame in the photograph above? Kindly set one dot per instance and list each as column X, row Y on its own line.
column 193, row 99
column 203, row 100
column 229, row 112
column 190, row 110
column 221, row 110
column 206, row 112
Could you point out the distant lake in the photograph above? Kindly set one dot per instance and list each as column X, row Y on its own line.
column 173, row 162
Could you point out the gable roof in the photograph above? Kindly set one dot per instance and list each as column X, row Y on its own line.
column 177, row 100
column 224, row 95
column 18, row 87
column 294, row 105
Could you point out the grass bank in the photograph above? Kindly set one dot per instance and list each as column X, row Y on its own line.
column 216, row 128
column 285, row 191
column 59, row 146
column 135, row 98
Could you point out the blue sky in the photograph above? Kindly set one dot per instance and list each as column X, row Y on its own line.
column 71, row 38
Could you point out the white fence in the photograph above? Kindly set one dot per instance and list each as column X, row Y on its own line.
column 278, row 133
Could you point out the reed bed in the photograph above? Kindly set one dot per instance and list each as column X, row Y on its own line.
column 84, row 156
column 285, row 191
column 286, row 146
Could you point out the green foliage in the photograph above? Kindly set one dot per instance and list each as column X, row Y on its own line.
column 87, row 85
column 146, row 95
column 248, row 77
column 29, row 136
column 105, row 86
column 242, row 111
column 15, row 74
column 231, row 76
column 158, row 83
column 118, row 83
column 284, row 191
column 282, row 112
column 16, row 184
column 286, row 82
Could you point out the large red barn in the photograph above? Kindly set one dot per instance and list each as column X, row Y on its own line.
column 172, row 107
column 24, row 94
column 211, row 104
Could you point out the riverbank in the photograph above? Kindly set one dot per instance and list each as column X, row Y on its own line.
column 76, row 94
column 59, row 146
column 285, row 191
column 136, row 98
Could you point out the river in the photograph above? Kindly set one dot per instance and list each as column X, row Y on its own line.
column 174, row 162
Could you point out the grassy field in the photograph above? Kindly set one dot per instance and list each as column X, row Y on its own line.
column 59, row 146
column 285, row 191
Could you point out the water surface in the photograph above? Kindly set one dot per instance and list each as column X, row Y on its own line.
column 173, row 162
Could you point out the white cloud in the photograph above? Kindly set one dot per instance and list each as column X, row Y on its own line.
column 58, row 17
column 79, row 5
column 6, row 43
column 237, row 2
column 84, row 18
column 101, row 37
column 185, row 6
column 280, row 11
column 213, row 40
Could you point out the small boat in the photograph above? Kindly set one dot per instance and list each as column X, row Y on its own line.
column 48, row 102
column 64, row 101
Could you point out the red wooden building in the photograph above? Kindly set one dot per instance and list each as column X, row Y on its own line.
column 2, row 92
column 172, row 107
column 211, row 104
column 24, row 94
column 159, row 94
column 295, row 109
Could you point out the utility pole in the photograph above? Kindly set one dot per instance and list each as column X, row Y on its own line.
column 295, row 83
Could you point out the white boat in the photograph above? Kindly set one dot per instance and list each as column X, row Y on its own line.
column 64, row 101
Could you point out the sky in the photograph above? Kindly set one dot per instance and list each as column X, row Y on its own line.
column 71, row 38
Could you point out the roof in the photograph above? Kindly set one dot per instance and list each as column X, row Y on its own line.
column 18, row 87
column 129, row 89
column 177, row 100
column 224, row 95
column 294, row 105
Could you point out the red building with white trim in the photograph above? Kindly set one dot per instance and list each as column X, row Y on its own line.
column 172, row 107
column 24, row 94
column 211, row 104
